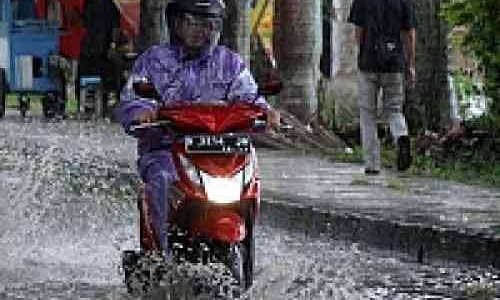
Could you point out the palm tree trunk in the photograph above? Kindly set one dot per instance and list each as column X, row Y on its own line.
column 236, row 33
column 152, row 24
column 427, row 106
column 298, row 48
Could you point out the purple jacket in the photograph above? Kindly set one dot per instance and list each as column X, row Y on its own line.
column 218, row 74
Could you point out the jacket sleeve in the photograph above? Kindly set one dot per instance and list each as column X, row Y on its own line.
column 244, row 88
column 130, row 103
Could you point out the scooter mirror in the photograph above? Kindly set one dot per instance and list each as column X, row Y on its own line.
column 145, row 90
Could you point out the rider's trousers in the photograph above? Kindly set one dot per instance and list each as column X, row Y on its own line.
column 157, row 170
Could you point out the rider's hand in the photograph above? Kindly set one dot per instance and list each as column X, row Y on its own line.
column 146, row 116
column 273, row 119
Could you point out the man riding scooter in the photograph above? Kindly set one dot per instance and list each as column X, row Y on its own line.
column 193, row 67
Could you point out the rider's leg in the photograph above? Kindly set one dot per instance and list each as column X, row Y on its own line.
column 158, row 172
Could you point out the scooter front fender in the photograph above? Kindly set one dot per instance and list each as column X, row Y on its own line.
column 228, row 227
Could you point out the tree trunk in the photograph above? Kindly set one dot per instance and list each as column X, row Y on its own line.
column 298, row 49
column 427, row 106
column 236, row 33
column 152, row 29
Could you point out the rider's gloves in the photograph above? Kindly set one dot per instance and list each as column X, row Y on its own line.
column 146, row 115
column 273, row 119
column 143, row 115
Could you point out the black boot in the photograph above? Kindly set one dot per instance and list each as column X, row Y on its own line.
column 404, row 153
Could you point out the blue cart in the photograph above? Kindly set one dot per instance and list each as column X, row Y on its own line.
column 28, row 58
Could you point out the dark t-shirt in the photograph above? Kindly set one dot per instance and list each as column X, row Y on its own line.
column 100, row 17
column 385, row 18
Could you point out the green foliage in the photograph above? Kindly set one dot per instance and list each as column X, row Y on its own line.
column 465, row 89
column 481, row 23
column 480, row 291
column 5, row 165
column 397, row 185
column 479, row 172
column 464, row 83
column 12, row 101
column 353, row 155
column 36, row 104
column 360, row 181
column 326, row 105
column 479, row 169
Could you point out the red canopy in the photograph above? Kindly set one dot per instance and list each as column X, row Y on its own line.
column 130, row 13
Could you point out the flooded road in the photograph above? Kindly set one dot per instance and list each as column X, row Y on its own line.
column 67, row 210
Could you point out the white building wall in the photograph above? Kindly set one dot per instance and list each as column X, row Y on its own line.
column 4, row 49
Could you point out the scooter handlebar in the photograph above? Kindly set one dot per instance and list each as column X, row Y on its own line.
column 261, row 125
column 285, row 127
column 136, row 126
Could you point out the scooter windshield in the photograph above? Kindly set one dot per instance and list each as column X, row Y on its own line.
column 212, row 117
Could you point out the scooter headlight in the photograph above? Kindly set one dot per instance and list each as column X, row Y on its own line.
column 225, row 190
column 222, row 190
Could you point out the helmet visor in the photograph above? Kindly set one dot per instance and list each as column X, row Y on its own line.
column 202, row 22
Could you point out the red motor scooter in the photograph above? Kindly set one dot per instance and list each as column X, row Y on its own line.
column 214, row 202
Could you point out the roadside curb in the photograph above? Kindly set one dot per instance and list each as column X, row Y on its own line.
column 421, row 243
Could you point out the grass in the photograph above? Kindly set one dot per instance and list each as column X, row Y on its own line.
column 36, row 104
column 483, row 173
column 397, row 185
column 480, row 292
column 480, row 173
column 360, row 181
column 4, row 166
column 350, row 155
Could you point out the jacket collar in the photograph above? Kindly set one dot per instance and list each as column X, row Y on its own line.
column 204, row 55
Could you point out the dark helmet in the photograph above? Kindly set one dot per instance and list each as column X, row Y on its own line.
column 208, row 8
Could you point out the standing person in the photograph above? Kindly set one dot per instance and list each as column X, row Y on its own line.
column 385, row 32
column 193, row 67
column 70, row 38
column 101, row 20
column 66, row 14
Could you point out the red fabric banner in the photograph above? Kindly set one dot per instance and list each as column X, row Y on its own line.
column 71, row 25
column 130, row 14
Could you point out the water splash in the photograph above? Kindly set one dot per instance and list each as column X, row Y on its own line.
column 68, row 210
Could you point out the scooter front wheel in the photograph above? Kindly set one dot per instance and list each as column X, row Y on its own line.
column 236, row 262
column 3, row 93
column 137, row 277
column 241, row 257
column 249, row 258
